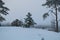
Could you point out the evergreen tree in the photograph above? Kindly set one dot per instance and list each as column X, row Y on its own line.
column 54, row 5
column 3, row 10
column 29, row 21
column 17, row 23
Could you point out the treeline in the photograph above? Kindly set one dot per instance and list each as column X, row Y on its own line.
column 28, row 22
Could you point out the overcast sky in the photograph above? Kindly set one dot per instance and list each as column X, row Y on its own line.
column 20, row 8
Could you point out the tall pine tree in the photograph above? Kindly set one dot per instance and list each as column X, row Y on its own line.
column 54, row 5
column 3, row 10
column 29, row 21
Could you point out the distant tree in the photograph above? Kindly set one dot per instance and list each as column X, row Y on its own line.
column 29, row 21
column 17, row 23
column 3, row 10
column 54, row 5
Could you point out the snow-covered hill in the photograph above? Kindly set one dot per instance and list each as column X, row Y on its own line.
column 18, row 33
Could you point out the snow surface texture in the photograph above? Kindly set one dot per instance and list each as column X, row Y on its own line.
column 18, row 33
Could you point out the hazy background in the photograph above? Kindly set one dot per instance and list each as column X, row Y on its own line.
column 20, row 8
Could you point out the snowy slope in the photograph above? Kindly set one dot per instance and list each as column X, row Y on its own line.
column 18, row 33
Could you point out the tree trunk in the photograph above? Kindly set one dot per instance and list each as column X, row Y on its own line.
column 56, row 19
column 0, row 23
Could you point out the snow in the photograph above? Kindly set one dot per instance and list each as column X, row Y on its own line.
column 19, row 33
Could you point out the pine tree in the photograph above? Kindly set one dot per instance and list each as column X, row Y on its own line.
column 54, row 5
column 17, row 22
column 29, row 21
column 3, row 10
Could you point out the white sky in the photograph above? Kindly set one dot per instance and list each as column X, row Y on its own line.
column 19, row 9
